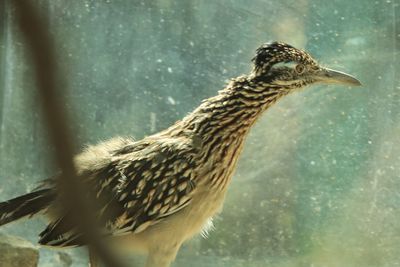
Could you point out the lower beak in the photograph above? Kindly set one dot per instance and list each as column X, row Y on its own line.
column 329, row 76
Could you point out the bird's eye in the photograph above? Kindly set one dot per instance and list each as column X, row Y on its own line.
column 300, row 68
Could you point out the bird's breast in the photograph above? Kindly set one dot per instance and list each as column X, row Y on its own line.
column 217, row 162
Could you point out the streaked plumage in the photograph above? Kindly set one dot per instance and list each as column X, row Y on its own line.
column 158, row 192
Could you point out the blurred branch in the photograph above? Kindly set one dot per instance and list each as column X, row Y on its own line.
column 43, row 56
column 3, row 49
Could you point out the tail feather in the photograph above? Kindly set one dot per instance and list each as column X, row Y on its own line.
column 25, row 206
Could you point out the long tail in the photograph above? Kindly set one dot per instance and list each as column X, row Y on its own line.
column 25, row 206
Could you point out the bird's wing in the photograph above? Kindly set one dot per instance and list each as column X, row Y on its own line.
column 143, row 184
column 154, row 187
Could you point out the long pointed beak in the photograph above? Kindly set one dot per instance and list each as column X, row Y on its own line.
column 329, row 76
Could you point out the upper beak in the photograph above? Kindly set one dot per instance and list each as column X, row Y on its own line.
column 326, row 75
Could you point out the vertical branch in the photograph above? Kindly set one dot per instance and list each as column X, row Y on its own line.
column 70, row 188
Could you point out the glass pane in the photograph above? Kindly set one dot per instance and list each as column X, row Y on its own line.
column 318, row 181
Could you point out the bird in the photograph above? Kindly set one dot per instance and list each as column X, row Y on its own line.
column 156, row 193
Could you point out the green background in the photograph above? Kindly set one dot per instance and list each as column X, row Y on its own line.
column 318, row 183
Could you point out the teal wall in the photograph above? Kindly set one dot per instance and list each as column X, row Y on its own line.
column 318, row 183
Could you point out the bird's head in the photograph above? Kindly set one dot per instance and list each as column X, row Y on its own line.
column 282, row 65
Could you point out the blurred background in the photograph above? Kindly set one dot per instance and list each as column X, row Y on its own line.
column 318, row 183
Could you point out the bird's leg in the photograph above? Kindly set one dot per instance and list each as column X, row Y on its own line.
column 162, row 256
column 93, row 259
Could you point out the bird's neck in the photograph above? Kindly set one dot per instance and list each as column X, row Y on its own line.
column 218, row 127
column 234, row 110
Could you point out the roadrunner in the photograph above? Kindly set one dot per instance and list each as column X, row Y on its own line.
column 157, row 192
